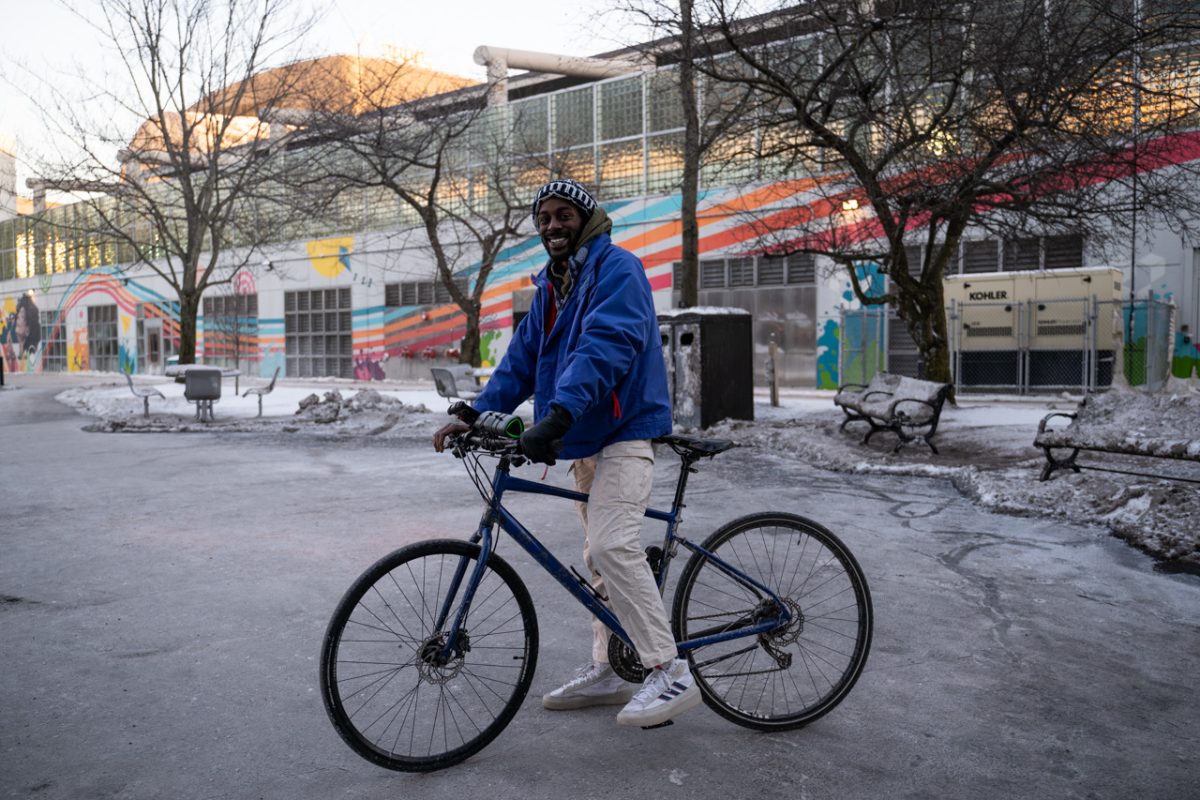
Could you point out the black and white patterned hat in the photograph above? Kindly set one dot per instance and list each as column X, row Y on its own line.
column 571, row 191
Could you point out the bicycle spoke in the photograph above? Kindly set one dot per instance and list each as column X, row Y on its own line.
column 792, row 674
column 395, row 692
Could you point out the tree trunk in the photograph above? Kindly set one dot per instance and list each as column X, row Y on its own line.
column 470, row 350
column 924, row 315
column 689, row 227
column 189, row 309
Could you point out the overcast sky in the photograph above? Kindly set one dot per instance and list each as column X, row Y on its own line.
column 44, row 38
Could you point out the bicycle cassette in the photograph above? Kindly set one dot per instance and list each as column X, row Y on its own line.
column 624, row 661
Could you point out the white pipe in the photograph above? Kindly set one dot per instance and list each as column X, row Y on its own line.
column 497, row 58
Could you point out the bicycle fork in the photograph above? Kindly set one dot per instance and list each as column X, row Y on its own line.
column 454, row 642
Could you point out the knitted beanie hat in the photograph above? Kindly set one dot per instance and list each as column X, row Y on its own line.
column 571, row 191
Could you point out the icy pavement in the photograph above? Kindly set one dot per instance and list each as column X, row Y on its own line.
column 986, row 446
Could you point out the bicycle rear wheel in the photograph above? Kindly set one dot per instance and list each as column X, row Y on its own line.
column 383, row 686
column 788, row 677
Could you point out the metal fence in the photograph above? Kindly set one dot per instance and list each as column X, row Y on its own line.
column 1025, row 347
column 863, row 346
column 1062, row 344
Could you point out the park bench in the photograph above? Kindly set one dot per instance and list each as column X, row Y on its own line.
column 260, row 391
column 908, row 407
column 1124, row 423
column 456, row 382
column 143, row 392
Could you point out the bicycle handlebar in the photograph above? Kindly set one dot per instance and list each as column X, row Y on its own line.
column 491, row 431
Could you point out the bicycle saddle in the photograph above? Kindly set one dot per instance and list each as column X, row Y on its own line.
column 694, row 445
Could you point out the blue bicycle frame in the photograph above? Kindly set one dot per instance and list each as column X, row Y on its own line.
column 496, row 514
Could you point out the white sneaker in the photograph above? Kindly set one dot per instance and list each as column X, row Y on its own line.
column 593, row 685
column 665, row 694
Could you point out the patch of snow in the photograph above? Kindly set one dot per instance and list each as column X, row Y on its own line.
column 985, row 443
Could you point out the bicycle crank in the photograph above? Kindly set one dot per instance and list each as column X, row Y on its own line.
column 624, row 661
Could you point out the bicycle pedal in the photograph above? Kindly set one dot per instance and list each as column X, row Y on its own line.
column 659, row 725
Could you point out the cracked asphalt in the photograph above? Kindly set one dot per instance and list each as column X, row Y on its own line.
column 165, row 595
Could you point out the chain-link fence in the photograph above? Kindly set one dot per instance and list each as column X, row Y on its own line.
column 1060, row 344
column 863, row 346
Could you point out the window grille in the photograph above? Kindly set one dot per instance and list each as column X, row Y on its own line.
column 54, row 342
column 318, row 333
column 912, row 254
column 1022, row 254
column 1064, row 252
column 980, row 256
column 801, row 268
column 771, row 270
column 712, row 274
column 103, row 346
column 741, row 271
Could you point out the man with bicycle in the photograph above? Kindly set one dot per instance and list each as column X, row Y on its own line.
column 589, row 353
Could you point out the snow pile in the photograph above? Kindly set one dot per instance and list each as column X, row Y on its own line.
column 290, row 409
column 986, row 450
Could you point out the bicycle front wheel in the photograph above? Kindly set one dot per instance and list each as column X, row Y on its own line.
column 788, row 677
column 386, row 688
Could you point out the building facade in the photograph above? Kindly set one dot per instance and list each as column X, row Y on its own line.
column 355, row 296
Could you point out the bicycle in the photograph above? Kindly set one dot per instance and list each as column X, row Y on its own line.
column 431, row 651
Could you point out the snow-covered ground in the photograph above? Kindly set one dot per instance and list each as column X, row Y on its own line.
column 986, row 444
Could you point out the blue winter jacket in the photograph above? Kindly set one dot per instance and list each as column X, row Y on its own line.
column 601, row 360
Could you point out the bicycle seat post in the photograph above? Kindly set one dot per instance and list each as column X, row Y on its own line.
column 687, row 460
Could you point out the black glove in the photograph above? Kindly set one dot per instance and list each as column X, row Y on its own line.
column 542, row 442
column 464, row 411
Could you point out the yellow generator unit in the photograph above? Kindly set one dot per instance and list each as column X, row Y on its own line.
column 1035, row 328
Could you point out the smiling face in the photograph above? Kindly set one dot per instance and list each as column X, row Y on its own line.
column 559, row 224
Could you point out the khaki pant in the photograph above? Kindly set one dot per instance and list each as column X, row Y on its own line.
column 618, row 479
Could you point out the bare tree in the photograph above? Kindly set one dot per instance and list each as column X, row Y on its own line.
column 174, row 157
column 712, row 118
column 445, row 158
column 231, row 326
column 917, row 121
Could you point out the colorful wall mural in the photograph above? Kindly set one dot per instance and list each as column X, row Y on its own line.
column 20, row 333
column 384, row 336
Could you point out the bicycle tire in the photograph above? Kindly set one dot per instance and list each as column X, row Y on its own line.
column 819, row 654
column 395, row 708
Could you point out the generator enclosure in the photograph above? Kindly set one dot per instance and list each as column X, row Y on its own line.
column 1053, row 328
column 709, row 353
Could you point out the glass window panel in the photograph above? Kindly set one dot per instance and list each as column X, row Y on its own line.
column 573, row 114
column 664, row 107
column 665, row 162
column 621, row 167
column 530, row 125
column 579, row 164
column 621, row 108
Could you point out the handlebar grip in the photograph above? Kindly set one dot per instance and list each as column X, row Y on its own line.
column 464, row 411
column 503, row 426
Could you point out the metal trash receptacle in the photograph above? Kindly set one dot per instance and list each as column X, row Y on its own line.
column 710, row 364
column 202, row 386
